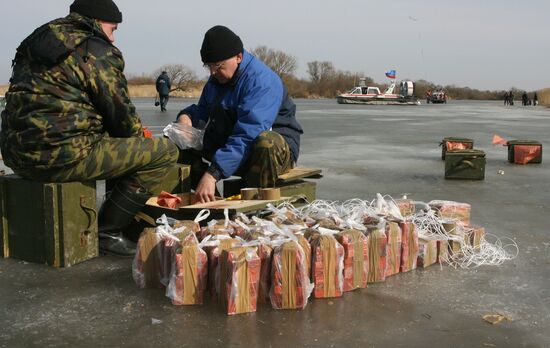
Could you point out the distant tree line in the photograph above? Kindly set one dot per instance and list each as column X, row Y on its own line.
column 323, row 80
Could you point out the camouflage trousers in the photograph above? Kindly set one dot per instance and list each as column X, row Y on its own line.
column 269, row 158
column 138, row 164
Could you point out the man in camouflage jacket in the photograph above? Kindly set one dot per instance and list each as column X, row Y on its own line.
column 68, row 117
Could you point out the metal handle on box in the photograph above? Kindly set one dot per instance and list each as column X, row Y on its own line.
column 90, row 212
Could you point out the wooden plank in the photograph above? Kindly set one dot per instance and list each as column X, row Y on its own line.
column 184, row 212
column 299, row 173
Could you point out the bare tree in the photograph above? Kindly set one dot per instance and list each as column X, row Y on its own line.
column 281, row 63
column 181, row 76
column 320, row 71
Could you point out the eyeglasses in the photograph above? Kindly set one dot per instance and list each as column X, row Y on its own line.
column 213, row 66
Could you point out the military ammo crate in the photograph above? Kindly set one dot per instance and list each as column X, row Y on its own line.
column 454, row 143
column 524, row 151
column 178, row 174
column 465, row 164
column 49, row 223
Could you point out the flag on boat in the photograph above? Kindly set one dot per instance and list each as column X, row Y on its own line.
column 390, row 74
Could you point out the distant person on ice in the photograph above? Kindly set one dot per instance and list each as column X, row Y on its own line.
column 69, row 117
column 163, row 88
column 524, row 98
column 251, row 128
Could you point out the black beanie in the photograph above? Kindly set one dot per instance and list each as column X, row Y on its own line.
column 106, row 10
column 220, row 43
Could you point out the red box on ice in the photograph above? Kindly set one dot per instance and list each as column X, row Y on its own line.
column 452, row 210
column 356, row 258
column 409, row 246
column 393, row 253
column 427, row 252
column 327, row 266
column 239, row 279
column 188, row 283
column 524, row 151
column 290, row 285
column 378, row 249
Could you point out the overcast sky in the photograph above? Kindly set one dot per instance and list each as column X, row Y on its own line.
column 484, row 44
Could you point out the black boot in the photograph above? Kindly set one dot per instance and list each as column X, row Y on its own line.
column 117, row 212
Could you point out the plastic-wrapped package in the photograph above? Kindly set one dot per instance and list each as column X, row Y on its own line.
column 214, row 250
column 327, row 266
column 290, row 286
column 185, row 137
column 189, row 274
column 427, row 252
column 304, row 243
column 356, row 258
column 191, row 226
column 452, row 210
column 265, row 253
column 394, row 242
column 474, row 235
column 239, row 279
column 409, row 246
column 378, row 249
column 442, row 250
column 152, row 262
column 406, row 206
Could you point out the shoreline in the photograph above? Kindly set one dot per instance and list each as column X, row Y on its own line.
column 149, row 91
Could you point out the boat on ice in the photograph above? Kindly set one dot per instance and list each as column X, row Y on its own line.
column 373, row 96
column 364, row 94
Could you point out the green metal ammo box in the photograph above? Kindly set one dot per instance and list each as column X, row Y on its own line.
column 511, row 153
column 48, row 222
column 465, row 164
column 179, row 175
column 454, row 143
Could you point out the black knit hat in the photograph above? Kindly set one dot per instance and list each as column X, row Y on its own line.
column 106, row 10
column 220, row 43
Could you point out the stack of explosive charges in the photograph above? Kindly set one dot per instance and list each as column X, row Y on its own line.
column 323, row 249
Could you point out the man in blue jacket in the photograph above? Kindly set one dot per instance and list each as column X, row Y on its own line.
column 163, row 88
column 248, row 117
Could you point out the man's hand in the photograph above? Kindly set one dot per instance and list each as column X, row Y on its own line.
column 206, row 189
column 185, row 119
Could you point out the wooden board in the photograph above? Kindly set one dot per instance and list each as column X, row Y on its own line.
column 298, row 173
column 184, row 212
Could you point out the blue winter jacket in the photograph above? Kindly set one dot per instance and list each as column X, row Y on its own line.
column 258, row 97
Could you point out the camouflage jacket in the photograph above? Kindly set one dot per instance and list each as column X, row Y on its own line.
column 67, row 91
